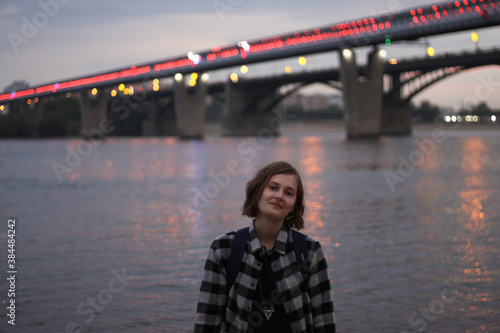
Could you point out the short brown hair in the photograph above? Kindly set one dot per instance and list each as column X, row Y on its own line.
column 256, row 185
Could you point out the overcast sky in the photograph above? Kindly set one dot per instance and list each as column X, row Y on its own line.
column 79, row 37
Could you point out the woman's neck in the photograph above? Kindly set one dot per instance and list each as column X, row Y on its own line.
column 267, row 231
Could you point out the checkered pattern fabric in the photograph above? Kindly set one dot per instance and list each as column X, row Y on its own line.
column 305, row 293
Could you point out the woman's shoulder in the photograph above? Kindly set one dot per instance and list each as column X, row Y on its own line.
column 224, row 241
column 312, row 243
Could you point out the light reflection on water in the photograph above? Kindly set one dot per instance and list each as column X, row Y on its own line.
column 390, row 253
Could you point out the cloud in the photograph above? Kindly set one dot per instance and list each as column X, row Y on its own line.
column 10, row 9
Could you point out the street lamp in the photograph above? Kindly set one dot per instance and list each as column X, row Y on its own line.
column 475, row 38
column 430, row 51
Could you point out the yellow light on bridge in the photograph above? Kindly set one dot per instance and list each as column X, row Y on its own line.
column 288, row 69
column 36, row 99
column 194, row 76
column 192, row 83
column 94, row 91
column 113, row 93
column 28, row 101
column 430, row 51
column 121, row 87
column 244, row 69
column 125, row 91
column 156, row 82
column 2, row 107
column 68, row 95
column 302, row 61
column 234, row 77
column 474, row 36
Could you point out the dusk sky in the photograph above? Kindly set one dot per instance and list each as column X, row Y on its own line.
column 85, row 37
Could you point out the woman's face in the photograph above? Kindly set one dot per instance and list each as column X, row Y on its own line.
column 278, row 197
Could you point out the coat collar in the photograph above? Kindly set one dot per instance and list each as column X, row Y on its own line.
column 279, row 245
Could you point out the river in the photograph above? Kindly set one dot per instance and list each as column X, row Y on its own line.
column 112, row 236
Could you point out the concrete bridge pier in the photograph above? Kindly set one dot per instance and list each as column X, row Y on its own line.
column 33, row 113
column 190, row 108
column 248, row 110
column 362, row 95
column 160, row 120
column 94, row 108
column 396, row 114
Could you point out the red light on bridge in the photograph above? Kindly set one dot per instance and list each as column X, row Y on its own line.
column 412, row 12
column 372, row 20
column 435, row 8
column 438, row 16
column 419, row 10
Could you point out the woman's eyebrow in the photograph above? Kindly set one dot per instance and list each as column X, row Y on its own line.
column 275, row 183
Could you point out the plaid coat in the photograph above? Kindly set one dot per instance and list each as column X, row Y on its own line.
column 305, row 293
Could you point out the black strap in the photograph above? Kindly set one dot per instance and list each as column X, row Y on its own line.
column 299, row 246
column 237, row 250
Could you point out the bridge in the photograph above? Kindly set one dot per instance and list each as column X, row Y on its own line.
column 364, row 115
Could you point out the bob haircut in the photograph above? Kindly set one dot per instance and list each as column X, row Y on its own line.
column 256, row 185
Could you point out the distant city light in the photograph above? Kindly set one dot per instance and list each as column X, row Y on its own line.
column 178, row 77
column 234, row 77
column 493, row 118
column 288, row 69
column 28, row 101
column 244, row 69
column 94, row 91
column 192, row 83
column 393, row 61
column 113, row 93
column 382, row 53
column 302, row 61
column 204, row 77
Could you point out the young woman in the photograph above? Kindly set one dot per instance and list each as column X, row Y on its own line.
column 278, row 285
